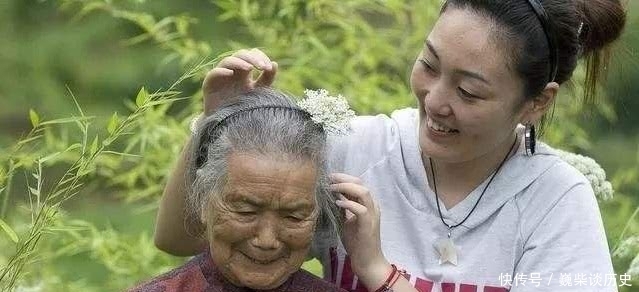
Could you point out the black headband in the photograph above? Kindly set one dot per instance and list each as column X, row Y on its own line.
column 550, row 36
column 208, row 136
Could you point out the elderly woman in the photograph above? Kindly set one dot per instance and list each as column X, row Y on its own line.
column 260, row 189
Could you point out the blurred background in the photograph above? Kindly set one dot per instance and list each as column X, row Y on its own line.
column 98, row 94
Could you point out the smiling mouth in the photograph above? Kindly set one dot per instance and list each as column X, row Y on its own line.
column 260, row 261
column 439, row 128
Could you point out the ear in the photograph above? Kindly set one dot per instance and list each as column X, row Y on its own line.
column 538, row 106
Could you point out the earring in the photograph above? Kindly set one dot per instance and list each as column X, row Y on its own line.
column 529, row 139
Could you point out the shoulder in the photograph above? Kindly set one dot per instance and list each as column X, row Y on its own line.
column 188, row 274
column 304, row 281
column 543, row 176
column 560, row 177
column 561, row 228
column 560, row 190
column 370, row 139
column 380, row 126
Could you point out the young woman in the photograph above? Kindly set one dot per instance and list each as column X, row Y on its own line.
column 457, row 193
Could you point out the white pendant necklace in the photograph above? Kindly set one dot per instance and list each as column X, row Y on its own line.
column 448, row 252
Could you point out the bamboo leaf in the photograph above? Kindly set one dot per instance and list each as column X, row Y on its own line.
column 122, row 154
column 7, row 229
column 73, row 147
column 25, row 141
column 94, row 146
column 142, row 97
column 49, row 157
column 113, row 123
column 35, row 119
column 66, row 120
column 164, row 101
column 33, row 191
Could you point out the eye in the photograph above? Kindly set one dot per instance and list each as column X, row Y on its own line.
column 465, row 94
column 427, row 65
column 294, row 218
column 246, row 216
column 297, row 216
column 246, row 213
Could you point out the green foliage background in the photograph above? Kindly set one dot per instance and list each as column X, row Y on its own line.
column 112, row 85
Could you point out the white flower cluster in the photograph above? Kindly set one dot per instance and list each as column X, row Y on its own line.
column 633, row 270
column 627, row 248
column 332, row 112
column 592, row 171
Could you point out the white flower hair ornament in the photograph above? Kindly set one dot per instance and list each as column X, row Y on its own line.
column 332, row 112
column 592, row 171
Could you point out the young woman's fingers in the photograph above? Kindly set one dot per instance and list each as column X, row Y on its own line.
column 268, row 76
column 265, row 64
column 255, row 57
column 354, row 192
column 213, row 75
column 338, row 177
column 235, row 63
column 347, row 214
column 218, row 71
column 354, row 207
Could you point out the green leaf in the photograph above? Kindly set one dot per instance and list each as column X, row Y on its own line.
column 25, row 141
column 122, row 154
column 49, row 157
column 165, row 101
column 142, row 97
column 66, row 120
column 12, row 234
column 108, row 141
column 113, row 123
column 35, row 119
column 73, row 147
column 94, row 146
column 34, row 192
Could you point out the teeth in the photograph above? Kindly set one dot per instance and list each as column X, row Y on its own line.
column 438, row 127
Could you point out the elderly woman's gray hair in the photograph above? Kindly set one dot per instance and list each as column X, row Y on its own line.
column 264, row 122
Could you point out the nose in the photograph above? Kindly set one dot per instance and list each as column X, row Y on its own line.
column 266, row 235
column 436, row 100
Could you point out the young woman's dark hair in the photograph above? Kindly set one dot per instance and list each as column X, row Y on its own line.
column 580, row 28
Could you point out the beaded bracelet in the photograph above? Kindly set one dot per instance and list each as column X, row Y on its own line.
column 397, row 275
column 390, row 281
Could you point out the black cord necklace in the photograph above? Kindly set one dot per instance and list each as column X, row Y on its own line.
column 446, row 247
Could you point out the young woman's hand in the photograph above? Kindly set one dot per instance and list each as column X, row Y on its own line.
column 360, row 234
column 232, row 76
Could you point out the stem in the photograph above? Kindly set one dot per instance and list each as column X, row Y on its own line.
column 7, row 191
column 625, row 228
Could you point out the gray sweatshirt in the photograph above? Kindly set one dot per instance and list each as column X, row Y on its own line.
column 537, row 228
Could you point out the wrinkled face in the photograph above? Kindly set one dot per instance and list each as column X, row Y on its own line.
column 470, row 100
column 260, row 228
